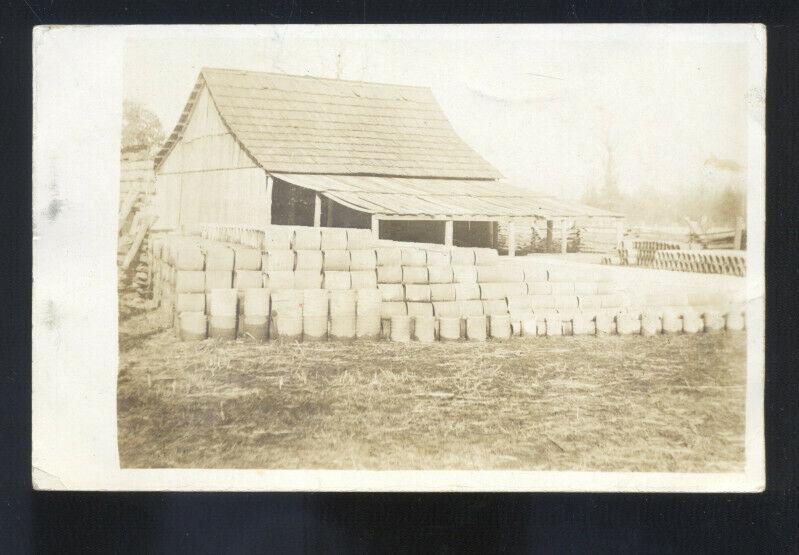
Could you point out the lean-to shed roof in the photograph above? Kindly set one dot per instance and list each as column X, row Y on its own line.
column 303, row 124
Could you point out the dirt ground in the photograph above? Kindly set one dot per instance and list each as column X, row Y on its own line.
column 669, row 403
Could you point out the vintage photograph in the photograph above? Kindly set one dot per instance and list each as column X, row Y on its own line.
column 428, row 254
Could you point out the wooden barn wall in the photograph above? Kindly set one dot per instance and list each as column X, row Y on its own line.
column 208, row 177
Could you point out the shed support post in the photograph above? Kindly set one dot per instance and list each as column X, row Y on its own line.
column 448, row 232
column 564, row 236
column 317, row 210
column 270, row 185
column 511, row 238
column 550, row 231
column 738, row 241
column 375, row 227
column 619, row 233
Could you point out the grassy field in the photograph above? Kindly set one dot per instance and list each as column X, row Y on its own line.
column 671, row 403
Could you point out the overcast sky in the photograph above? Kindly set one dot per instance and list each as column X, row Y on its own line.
column 539, row 103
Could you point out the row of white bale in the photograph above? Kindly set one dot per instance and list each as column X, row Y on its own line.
column 316, row 315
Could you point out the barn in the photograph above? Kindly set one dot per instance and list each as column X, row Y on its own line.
column 262, row 149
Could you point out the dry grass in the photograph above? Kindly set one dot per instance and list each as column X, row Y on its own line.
column 572, row 403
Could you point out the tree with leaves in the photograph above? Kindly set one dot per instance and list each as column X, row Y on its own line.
column 141, row 129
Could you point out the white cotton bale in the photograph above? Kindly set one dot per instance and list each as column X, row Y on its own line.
column 492, row 291
column 389, row 256
column 734, row 320
column 336, row 260
column 520, row 303
column 651, row 323
column 529, row 326
column 314, row 315
column 308, row 260
column 279, row 280
column 476, row 328
column 464, row 274
column 308, row 279
column 334, row 238
column 583, row 324
column 564, row 274
column 447, row 309
column 389, row 274
column 256, row 302
column 368, row 296
column 287, row 303
column 562, row 288
column 495, row 307
column 363, row 260
column 419, row 309
column 471, row 308
column 256, row 327
column 400, row 328
column 585, row 288
column 417, row 292
column 359, row 239
column 462, row 257
column 542, row 301
column 218, row 279
column 438, row 258
column 628, row 323
column 247, row 259
column 222, row 327
column 219, row 258
column 514, row 273
column 190, row 302
column 554, row 325
column 193, row 326
column 565, row 301
column 247, row 279
column 278, row 261
column 336, row 281
column 189, row 281
column 467, row 291
column 607, row 288
column 539, row 288
column 343, row 301
column 535, row 275
column 224, row 302
column 439, row 274
column 516, row 289
column 486, row 257
column 424, row 329
column 389, row 309
column 692, row 322
column 499, row 326
column 390, row 292
column 363, row 279
column 713, row 321
column 286, row 328
column 307, row 239
column 589, row 302
column 367, row 326
column 671, row 321
column 414, row 274
column 442, row 292
column 491, row 274
column 604, row 323
column 616, row 300
column 414, row 257
column 189, row 257
column 449, row 329
column 278, row 238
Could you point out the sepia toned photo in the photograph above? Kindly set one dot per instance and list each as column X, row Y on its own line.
column 538, row 251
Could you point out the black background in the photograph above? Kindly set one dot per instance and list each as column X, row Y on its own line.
column 45, row 522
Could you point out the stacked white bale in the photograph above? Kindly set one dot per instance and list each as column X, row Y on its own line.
column 554, row 323
column 363, row 279
column 278, row 261
column 562, row 288
column 589, row 302
column 190, row 257
column 224, row 313
column 219, row 258
column 400, row 328
column 529, row 326
column 462, row 257
column 651, row 322
column 476, row 328
column 565, row 301
column 486, row 257
column 193, row 326
column 467, row 291
column 189, row 302
column 190, row 281
column 247, row 279
column 536, row 275
column 607, row 288
column 417, row 292
column 520, row 303
column 415, row 274
column 336, row 260
column 389, row 274
column 391, row 292
column 307, row 239
column 470, row 308
column 277, row 238
column 585, row 288
column 438, row 258
column 628, row 323
column 358, row 239
column 307, row 279
column 672, row 321
column 343, row 314
column 367, row 317
column 314, row 314
column 464, row 274
column 336, row 281
column 414, row 257
column 583, row 323
column 247, row 259
column 449, row 329
column 442, row 292
column 491, row 274
column 492, row 291
column 734, row 320
column 308, row 261
column 334, row 238
column 447, row 309
column 256, row 313
column 713, row 320
column 387, row 311
column 389, row 256
column 539, row 288
column 542, row 302
column 691, row 321
column 424, row 328
column 286, row 315
column 439, row 274
column 419, row 309
column 363, row 260
column 559, row 275
column 499, row 325
column 605, row 324
column 279, row 280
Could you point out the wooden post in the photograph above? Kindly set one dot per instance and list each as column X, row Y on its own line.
column 550, row 233
column 494, row 235
column 375, row 227
column 448, row 232
column 511, row 238
column 270, row 185
column 317, row 210
column 738, row 241
column 564, row 236
column 619, row 233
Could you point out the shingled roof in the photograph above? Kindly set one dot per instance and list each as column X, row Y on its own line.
column 312, row 125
